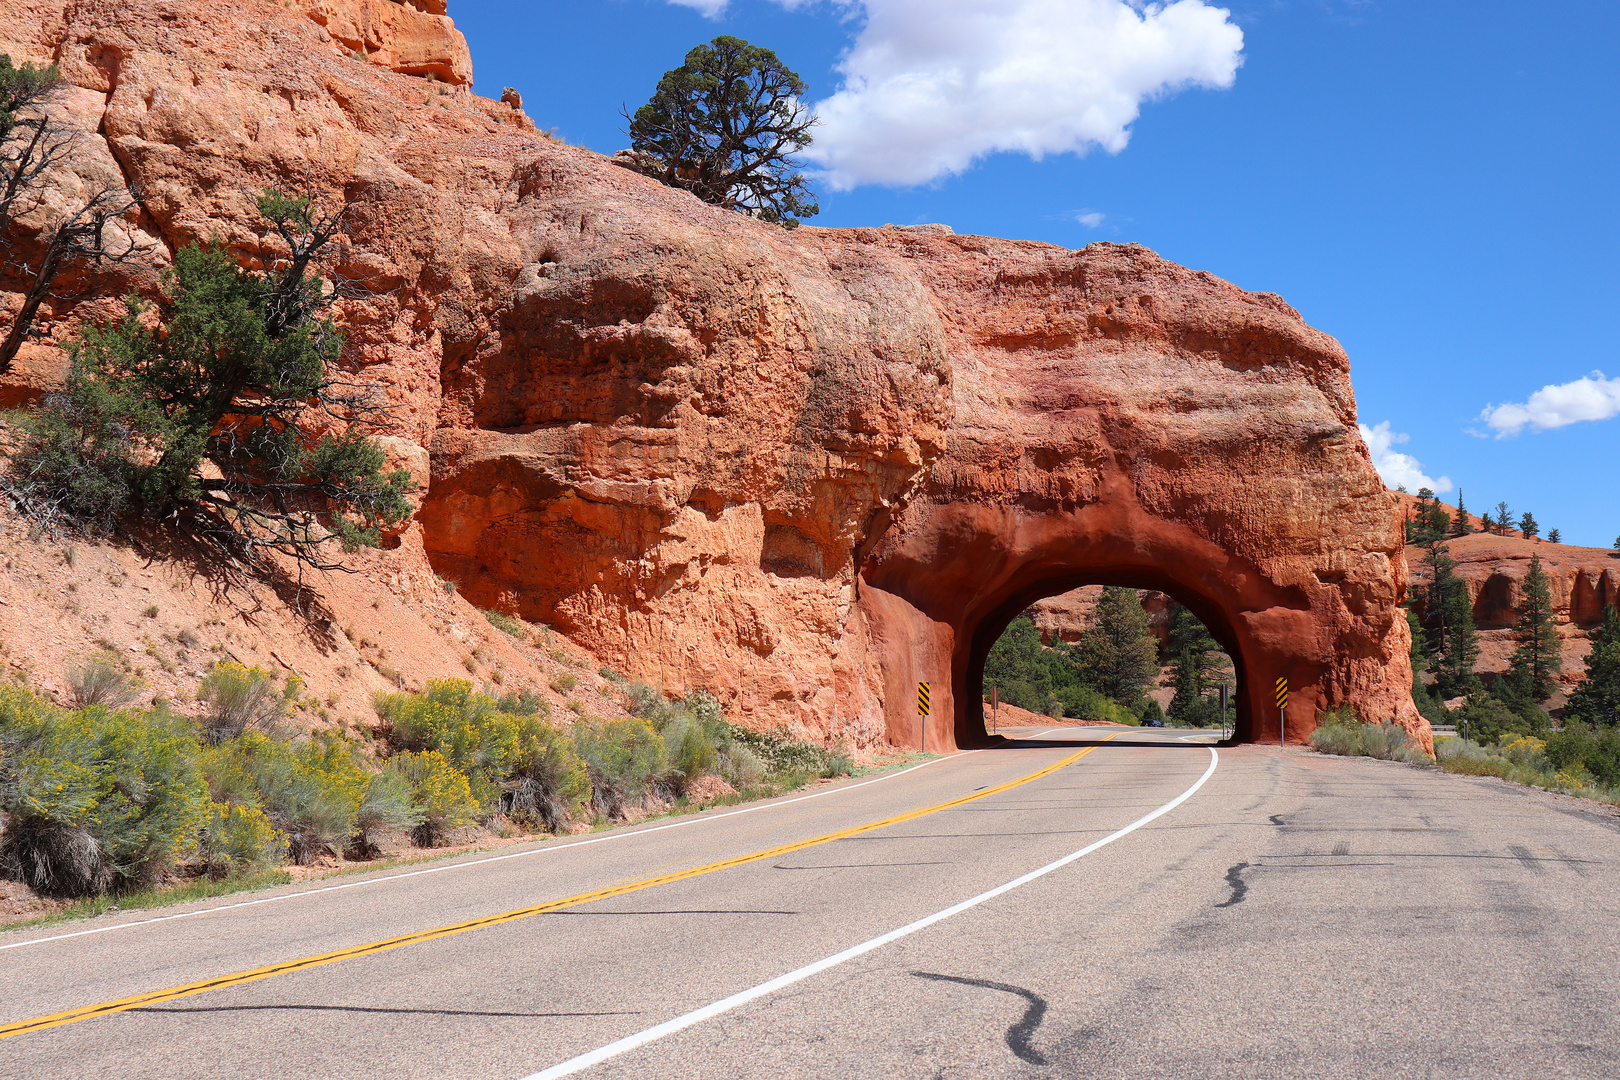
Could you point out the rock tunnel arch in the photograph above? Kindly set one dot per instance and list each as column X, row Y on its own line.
column 941, row 592
column 1255, row 720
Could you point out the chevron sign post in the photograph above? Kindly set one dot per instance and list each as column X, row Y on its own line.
column 1282, row 708
column 922, row 699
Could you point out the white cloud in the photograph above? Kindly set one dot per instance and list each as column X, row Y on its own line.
column 711, row 9
column 1396, row 468
column 932, row 85
column 1556, row 406
column 1091, row 219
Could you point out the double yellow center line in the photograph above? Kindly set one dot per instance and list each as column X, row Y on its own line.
column 72, row 1016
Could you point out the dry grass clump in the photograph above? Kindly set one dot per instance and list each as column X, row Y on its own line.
column 100, row 680
column 1342, row 732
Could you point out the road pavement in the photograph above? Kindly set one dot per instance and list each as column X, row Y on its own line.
column 1085, row 904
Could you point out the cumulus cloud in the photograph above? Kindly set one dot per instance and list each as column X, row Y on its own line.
column 1556, row 406
column 1091, row 219
column 1398, row 469
column 932, row 85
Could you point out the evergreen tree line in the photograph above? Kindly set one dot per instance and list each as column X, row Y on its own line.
column 1432, row 522
column 1105, row 675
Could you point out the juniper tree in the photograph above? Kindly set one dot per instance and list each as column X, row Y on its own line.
column 1537, row 662
column 726, row 125
column 226, row 401
column 1597, row 699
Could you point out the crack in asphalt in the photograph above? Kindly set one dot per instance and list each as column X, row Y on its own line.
column 1019, row 1035
column 1240, row 888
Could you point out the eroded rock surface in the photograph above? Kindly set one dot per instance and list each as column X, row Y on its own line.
column 804, row 470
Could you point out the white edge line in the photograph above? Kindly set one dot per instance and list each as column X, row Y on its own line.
column 697, row 1016
column 696, row 819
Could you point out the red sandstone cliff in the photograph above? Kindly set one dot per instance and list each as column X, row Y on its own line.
column 804, row 470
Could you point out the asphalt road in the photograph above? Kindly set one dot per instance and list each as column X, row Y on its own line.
column 1293, row 916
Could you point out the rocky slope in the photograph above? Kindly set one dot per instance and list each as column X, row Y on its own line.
column 804, row 469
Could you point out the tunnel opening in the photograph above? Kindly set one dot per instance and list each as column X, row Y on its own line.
column 1226, row 662
column 1108, row 655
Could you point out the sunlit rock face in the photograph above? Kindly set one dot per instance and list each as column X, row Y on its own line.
column 1122, row 420
column 802, row 470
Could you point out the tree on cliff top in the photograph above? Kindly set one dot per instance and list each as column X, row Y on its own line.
column 222, row 408
column 725, row 126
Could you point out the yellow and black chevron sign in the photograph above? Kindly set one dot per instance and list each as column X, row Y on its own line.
column 922, row 699
column 1282, row 693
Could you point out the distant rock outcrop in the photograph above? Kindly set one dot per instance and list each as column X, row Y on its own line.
column 1583, row 581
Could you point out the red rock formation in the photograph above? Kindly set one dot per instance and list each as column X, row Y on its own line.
column 1068, row 615
column 1583, row 582
column 803, row 469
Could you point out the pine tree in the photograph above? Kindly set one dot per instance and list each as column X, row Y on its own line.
column 1597, row 700
column 1503, row 522
column 1449, row 626
column 1528, row 526
column 1554, row 537
column 1460, row 525
column 1197, row 664
column 1533, row 673
column 1118, row 655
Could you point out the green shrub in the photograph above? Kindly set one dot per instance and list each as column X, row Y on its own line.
column 1594, row 751
column 237, row 838
column 516, row 764
column 524, row 702
column 95, row 798
column 507, row 625
column 1083, row 703
column 388, row 806
column 239, row 698
column 311, row 790
column 548, row 784
column 98, row 680
column 440, row 793
column 1486, row 719
column 623, row 757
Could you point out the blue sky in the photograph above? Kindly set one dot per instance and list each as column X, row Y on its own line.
column 1433, row 183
